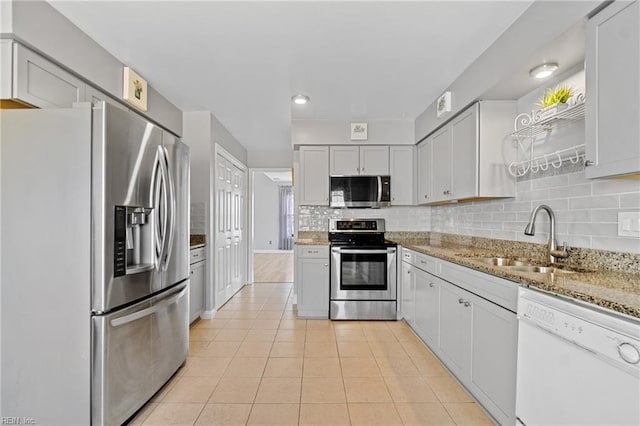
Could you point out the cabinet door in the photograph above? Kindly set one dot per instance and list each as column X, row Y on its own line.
column 407, row 295
column 402, row 175
column 314, row 175
column 456, row 313
column 612, row 58
column 344, row 160
column 427, row 309
column 493, row 360
column 425, row 166
column 39, row 82
column 464, row 154
column 441, row 165
column 313, row 287
column 196, row 291
column 374, row 160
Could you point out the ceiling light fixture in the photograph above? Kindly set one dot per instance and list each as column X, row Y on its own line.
column 300, row 99
column 544, row 70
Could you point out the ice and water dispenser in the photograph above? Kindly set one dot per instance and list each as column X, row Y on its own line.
column 133, row 245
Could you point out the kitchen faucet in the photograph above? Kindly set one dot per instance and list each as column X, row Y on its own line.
column 554, row 252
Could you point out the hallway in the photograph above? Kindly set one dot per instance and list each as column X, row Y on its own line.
column 274, row 267
column 255, row 363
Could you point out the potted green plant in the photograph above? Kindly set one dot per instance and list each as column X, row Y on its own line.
column 554, row 101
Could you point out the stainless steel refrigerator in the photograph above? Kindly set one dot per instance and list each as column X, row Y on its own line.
column 94, row 278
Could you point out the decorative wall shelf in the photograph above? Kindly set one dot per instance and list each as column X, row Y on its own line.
column 536, row 123
column 540, row 123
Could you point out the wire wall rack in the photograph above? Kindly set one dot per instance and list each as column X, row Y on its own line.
column 541, row 123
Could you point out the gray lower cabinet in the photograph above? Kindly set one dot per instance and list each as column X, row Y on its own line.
column 474, row 336
column 612, row 60
column 312, row 281
column 39, row 82
column 456, row 312
column 407, row 293
column 197, row 282
column 427, row 312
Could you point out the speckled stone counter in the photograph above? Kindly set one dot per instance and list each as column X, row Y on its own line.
column 607, row 279
column 197, row 240
column 312, row 238
column 618, row 290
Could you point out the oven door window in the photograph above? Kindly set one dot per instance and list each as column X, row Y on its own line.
column 363, row 271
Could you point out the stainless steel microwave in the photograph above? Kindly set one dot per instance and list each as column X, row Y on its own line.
column 359, row 191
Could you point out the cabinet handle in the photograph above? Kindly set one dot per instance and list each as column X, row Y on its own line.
column 191, row 272
column 588, row 163
column 362, row 169
column 431, row 285
column 326, row 265
column 426, row 196
column 408, row 272
column 447, row 192
column 357, row 169
column 464, row 302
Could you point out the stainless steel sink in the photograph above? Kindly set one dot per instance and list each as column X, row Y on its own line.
column 525, row 265
column 541, row 269
column 503, row 261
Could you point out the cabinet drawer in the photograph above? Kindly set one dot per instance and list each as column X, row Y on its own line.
column 314, row 251
column 408, row 256
column 426, row 263
column 197, row 255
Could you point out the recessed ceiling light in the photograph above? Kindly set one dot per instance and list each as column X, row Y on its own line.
column 544, row 70
column 300, row 99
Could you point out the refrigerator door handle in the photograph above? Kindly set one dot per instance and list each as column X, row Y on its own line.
column 171, row 211
column 156, row 194
column 117, row 322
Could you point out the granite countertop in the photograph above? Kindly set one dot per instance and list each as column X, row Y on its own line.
column 197, row 241
column 312, row 242
column 615, row 290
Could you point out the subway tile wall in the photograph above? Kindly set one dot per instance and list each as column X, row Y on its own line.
column 586, row 211
column 316, row 218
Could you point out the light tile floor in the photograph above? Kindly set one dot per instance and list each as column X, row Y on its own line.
column 256, row 363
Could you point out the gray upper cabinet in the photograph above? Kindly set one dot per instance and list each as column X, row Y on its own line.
column 314, row 176
column 612, row 116
column 38, row 82
column 359, row 160
column 425, row 165
column 470, row 156
column 401, row 164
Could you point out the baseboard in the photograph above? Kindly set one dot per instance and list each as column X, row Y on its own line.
column 208, row 314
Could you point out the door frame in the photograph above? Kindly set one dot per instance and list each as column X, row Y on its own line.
column 250, row 226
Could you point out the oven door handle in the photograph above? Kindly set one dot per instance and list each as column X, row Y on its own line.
column 352, row 251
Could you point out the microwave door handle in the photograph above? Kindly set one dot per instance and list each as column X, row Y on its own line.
column 379, row 189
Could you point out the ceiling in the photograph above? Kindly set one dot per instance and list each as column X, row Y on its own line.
column 279, row 177
column 244, row 60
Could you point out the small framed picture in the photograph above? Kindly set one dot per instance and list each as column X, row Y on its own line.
column 358, row 131
column 134, row 89
column 443, row 104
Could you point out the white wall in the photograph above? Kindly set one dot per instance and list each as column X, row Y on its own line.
column 512, row 49
column 338, row 132
column 222, row 137
column 41, row 27
column 270, row 159
column 266, row 213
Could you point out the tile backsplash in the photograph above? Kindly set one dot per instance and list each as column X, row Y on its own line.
column 316, row 218
column 586, row 211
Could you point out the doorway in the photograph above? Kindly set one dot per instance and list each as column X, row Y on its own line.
column 272, row 225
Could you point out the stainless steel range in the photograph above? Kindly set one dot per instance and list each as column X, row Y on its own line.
column 363, row 271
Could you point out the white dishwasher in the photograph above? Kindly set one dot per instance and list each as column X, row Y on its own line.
column 577, row 365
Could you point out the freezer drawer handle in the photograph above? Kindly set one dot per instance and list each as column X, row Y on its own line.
column 117, row 322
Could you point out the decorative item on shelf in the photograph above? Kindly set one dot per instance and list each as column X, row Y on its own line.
column 443, row 104
column 554, row 101
column 134, row 89
column 358, row 131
